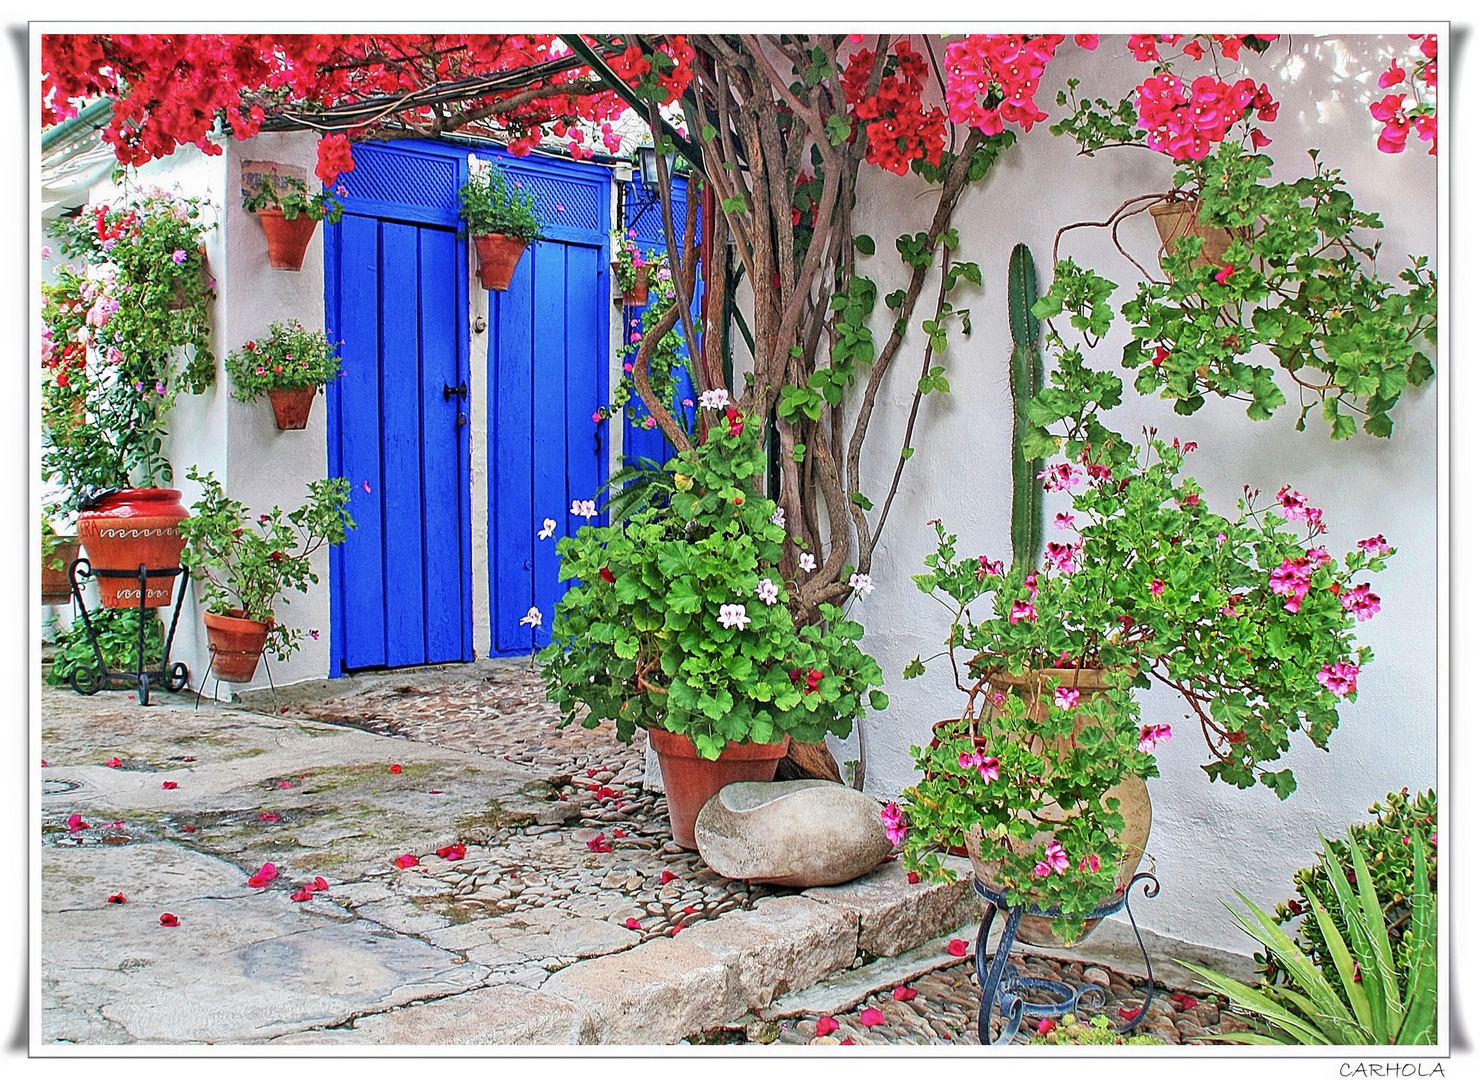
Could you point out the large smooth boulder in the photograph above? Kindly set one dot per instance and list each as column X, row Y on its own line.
column 801, row 833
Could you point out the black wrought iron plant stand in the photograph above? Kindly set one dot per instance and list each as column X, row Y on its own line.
column 89, row 680
column 1002, row 986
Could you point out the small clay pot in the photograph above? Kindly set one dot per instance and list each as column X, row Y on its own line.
column 498, row 257
column 690, row 780
column 292, row 406
column 236, row 645
column 1176, row 219
column 637, row 294
column 287, row 241
column 56, row 587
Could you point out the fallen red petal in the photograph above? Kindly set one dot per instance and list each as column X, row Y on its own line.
column 826, row 1025
column 668, row 875
column 189, row 828
column 1184, row 1002
column 618, row 834
column 319, row 884
column 453, row 852
column 847, row 1042
column 1128, row 1014
column 267, row 816
column 43, row 763
column 689, row 910
column 169, row 785
column 598, row 843
column 407, row 860
column 438, row 791
column 305, row 893
column 75, row 822
column 870, row 1017
column 633, row 924
column 912, row 877
column 957, row 947
column 590, row 773
column 113, row 763
column 395, row 768
column 118, row 898
column 905, row 993
column 263, row 876
column 284, row 783
column 676, row 929
column 168, row 920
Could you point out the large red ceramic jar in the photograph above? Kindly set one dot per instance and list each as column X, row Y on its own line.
column 130, row 527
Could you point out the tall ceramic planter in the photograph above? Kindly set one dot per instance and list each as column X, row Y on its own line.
column 287, row 241
column 498, row 257
column 236, row 645
column 1175, row 219
column 132, row 527
column 1037, row 688
column 690, row 781
column 56, row 587
column 291, row 407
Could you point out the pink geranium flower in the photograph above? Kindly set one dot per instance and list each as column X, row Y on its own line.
column 1151, row 735
column 893, row 823
column 1362, row 602
column 1339, row 678
column 1065, row 698
column 1021, row 610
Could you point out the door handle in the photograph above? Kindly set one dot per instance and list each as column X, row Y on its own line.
column 460, row 390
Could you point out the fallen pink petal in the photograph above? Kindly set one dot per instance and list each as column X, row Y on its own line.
column 263, row 877
column 870, row 1017
column 407, row 861
column 957, row 947
column 905, row 993
column 826, row 1025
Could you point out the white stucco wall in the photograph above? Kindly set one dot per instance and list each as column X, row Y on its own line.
column 1207, row 839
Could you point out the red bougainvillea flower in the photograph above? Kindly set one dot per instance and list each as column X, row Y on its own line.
column 667, row 876
column 826, row 1025
column 870, row 1017
column 633, row 924
column 407, row 861
column 75, row 823
column 334, row 157
column 957, row 947
column 599, row 843
column 1144, row 47
column 1192, row 49
column 113, row 763
column 905, row 993
column 263, row 877
column 1392, row 76
column 169, row 785
column 168, row 920
column 118, row 898
column 395, row 768
column 1086, row 41
column 453, row 852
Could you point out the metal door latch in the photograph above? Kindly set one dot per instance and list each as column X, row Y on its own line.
column 460, row 390
column 479, row 325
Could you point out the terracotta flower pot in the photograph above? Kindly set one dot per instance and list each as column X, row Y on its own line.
column 1037, row 688
column 637, row 294
column 132, row 527
column 498, row 256
column 236, row 645
column 1175, row 219
column 287, row 241
column 56, row 588
column 292, row 406
column 690, row 781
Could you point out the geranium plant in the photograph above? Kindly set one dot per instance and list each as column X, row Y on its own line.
column 629, row 259
column 291, row 196
column 680, row 617
column 290, row 357
column 245, row 564
column 489, row 206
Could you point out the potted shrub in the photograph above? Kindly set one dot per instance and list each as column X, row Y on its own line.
column 1250, row 621
column 120, row 341
column 289, row 365
column 631, row 268
column 679, row 624
column 245, row 565
column 501, row 222
column 289, row 214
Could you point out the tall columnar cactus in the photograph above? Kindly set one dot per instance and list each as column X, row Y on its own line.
column 1027, row 376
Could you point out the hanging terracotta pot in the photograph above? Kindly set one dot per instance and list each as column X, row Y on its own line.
column 690, row 780
column 132, row 527
column 1176, row 218
column 56, row 587
column 1037, row 687
column 236, row 644
column 637, row 294
column 292, row 406
column 498, row 256
column 287, row 241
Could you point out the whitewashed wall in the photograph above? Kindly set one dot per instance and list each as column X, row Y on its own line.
column 1207, row 840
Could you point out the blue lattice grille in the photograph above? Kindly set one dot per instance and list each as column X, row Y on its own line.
column 566, row 203
column 410, row 179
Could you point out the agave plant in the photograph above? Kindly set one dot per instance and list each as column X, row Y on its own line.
column 1366, row 1009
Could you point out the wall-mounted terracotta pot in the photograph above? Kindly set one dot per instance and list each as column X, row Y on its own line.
column 287, row 241
column 292, row 406
column 498, row 257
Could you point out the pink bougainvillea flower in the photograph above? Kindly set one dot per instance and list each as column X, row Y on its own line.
column 75, row 823
column 826, row 1025
column 453, row 852
column 1089, row 863
column 1362, row 602
column 1392, row 76
column 406, row 861
column 1192, row 49
column 1339, row 678
column 667, row 876
column 1065, row 698
column 905, row 993
column 957, row 947
column 1086, row 41
column 1144, row 47
column 395, row 768
column 169, row 785
column 870, row 1017
column 113, row 763
column 1151, row 735
column 263, row 877
column 1046, row 1025
column 893, row 824
column 1021, row 609
column 599, row 843
column 118, row 898
column 168, row 919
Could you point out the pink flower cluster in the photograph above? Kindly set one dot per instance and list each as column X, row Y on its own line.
column 1295, row 507
column 1374, row 545
column 1362, row 602
column 988, row 767
column 1061, row 477
column 893, row 823
column 1061, row 556
column 1185, row 123
column 1021, row 609
column 1292, row 579
column 1398, row 121
column 1339, row 678
column 1054, row 860
column 1004, row 69
column 1151, row 734
column 1065, row 697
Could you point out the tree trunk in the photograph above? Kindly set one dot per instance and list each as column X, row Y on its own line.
column 808, row 761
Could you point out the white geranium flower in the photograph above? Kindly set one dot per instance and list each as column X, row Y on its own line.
column 549, row 528
column 585, row 508
column 714, row 399
column 807, row 561
column 779, row 517
column 863, row 583
column 534, row 619
column 733, row 617
column 767, row 591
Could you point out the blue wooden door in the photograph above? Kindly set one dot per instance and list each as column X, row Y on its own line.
column 396, row 297
column 548, row 351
